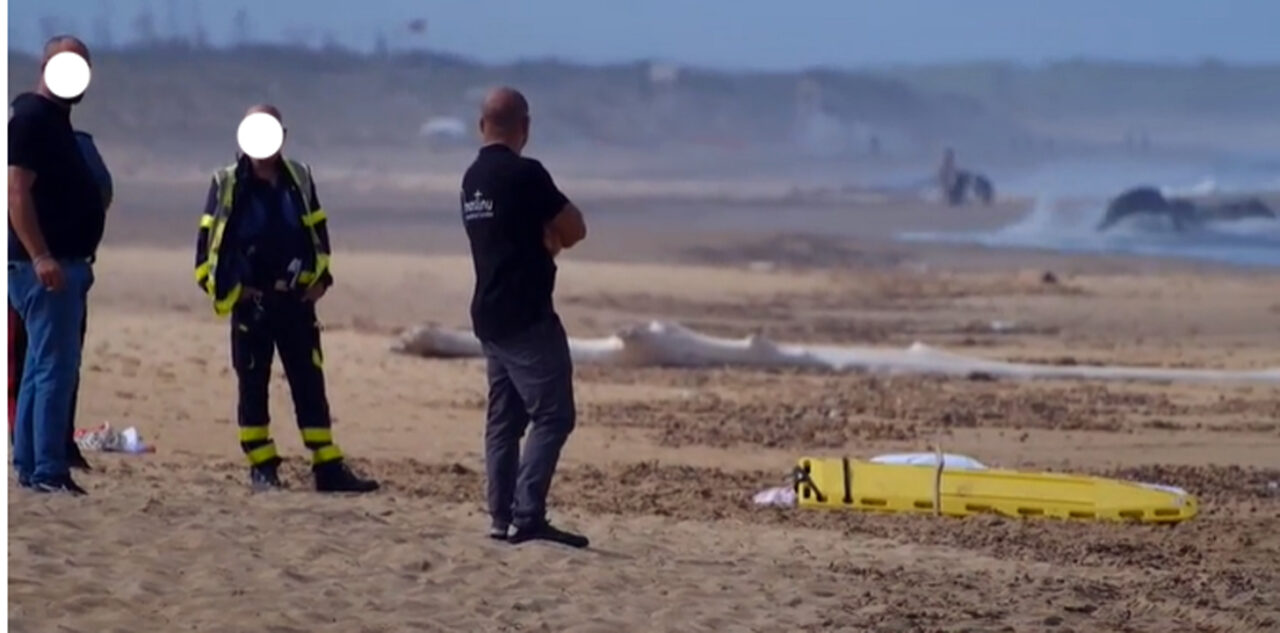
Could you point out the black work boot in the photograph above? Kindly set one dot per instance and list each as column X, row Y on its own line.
column 264, row 477
column 335, row 476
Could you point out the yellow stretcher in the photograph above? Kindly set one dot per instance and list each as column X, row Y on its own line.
column 874, row 487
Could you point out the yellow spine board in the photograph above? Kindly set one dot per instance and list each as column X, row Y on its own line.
column 858, row 485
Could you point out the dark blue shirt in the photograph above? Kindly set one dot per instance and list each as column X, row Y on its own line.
column 268, row 231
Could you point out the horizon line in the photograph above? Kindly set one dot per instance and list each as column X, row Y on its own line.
column 186, row 45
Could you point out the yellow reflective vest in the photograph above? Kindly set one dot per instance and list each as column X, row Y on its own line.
column 221, row 282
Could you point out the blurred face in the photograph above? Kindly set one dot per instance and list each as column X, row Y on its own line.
column 269, row 160
column 65, row 75
column 261, row 136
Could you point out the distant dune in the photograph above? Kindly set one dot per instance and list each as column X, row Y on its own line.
column 178, row 94
column 345, row 98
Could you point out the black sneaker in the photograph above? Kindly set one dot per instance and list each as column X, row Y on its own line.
column 62, row 485
column 546, row 532
column 265, row 477
column 24, row 481
column 75, row 458
column 337, row 477
column 499, row 531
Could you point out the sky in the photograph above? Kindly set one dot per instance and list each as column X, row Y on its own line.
column 735, row 34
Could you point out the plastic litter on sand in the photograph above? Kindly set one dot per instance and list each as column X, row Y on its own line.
column 106, row 439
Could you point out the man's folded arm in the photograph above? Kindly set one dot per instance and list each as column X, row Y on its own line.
column 568, row 225
column 561, row 217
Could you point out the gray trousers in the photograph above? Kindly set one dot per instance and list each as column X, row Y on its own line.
column 530, row 382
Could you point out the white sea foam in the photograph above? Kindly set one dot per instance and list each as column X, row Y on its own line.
column 1072, row 227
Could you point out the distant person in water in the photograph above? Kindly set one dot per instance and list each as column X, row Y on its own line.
column 957, row 185
column 947, row 176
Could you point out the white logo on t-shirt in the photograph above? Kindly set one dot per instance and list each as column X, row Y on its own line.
column 477, row 207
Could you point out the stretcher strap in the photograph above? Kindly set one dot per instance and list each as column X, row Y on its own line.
column 848, row 481
column 937, row 482
column 800, row 476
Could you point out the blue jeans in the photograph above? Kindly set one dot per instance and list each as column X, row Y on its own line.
column 52, row 367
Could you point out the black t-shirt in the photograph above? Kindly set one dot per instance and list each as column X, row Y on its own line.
column 69, row 205
column 507, row 201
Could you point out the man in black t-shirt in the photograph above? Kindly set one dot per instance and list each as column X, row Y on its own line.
column 56, row 218
column 517, row 221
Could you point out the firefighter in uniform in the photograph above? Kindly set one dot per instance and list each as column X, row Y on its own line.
column 262, row 255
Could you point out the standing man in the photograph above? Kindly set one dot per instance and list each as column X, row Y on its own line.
column 262, row 255
column 948, row 177
column 517, row 221
column 56, row 219
column 18, row 333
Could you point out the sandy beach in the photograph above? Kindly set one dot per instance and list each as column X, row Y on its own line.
column 661, row 470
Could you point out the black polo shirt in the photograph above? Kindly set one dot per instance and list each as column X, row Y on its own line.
column 507, row 201
column 69, row 205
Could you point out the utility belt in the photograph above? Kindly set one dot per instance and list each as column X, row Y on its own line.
column 282, row 290
column 287, row 283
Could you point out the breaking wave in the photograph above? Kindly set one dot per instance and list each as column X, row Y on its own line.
column 1048, row 226
column 1071, row 196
